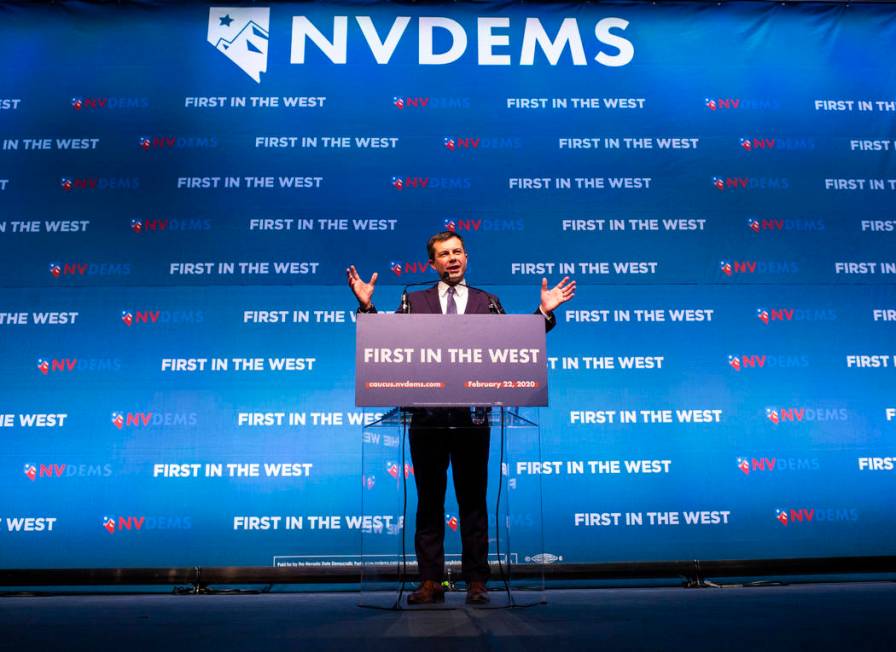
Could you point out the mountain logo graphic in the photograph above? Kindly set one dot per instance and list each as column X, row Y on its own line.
column 241, row 35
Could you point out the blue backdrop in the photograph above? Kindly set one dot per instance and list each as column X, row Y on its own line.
column 182, row 188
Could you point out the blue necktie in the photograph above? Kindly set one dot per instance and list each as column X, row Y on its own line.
column 451, row 307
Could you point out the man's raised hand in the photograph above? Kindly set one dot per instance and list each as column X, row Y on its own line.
column 363, row 291
column 560, row 293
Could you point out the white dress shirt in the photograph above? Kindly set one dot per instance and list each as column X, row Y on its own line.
column 460, row 297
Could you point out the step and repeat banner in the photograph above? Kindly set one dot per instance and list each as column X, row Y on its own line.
column 183, row 187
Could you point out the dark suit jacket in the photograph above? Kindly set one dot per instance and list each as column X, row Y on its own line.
column 427, row 302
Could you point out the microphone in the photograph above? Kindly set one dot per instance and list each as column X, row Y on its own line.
column 494, row 306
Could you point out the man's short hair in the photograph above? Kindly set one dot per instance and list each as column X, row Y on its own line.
column 441, row 237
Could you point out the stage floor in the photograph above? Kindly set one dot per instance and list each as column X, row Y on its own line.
column 843, row 616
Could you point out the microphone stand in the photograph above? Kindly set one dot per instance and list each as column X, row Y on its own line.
column 405, row 307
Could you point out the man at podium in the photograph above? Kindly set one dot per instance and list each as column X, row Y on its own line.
column 442, row 435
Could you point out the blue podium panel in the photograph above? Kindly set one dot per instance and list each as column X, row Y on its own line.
column 183, row 187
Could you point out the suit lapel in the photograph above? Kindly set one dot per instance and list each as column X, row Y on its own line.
column 474, row 303
column 432, row 300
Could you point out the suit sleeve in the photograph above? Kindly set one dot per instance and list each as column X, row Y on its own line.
column 549, row 322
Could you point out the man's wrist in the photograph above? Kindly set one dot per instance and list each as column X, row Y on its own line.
column 369, row 308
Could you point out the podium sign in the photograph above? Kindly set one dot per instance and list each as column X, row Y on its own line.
column 450, row 360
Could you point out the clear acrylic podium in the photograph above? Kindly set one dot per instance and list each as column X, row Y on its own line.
column 389, row 504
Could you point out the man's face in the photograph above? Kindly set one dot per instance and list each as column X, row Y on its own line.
column 449, row 256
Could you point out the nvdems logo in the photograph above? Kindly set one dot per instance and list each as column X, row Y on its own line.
column 394, row 469
column 241, row 35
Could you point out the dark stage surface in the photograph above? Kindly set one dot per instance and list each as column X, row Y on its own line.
column 855, row 616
